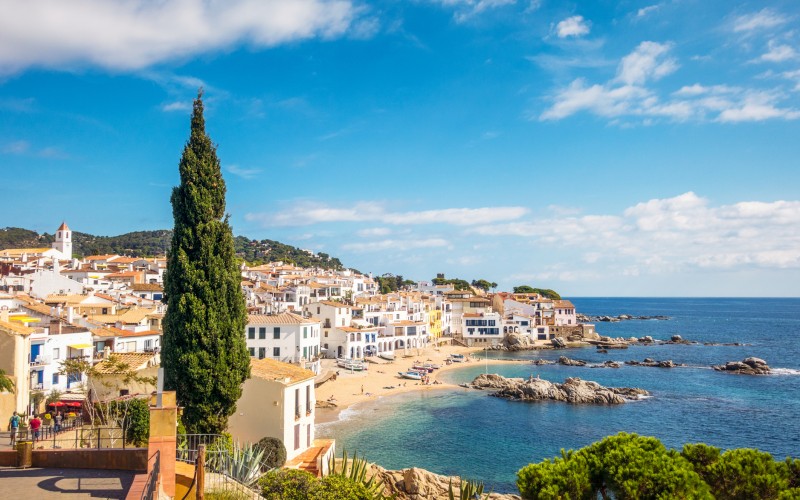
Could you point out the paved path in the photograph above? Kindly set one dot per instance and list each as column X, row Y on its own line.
column 64, row 484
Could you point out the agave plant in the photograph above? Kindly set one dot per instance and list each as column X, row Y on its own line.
column 243, row 464
column 470, row 490
column 356, row 470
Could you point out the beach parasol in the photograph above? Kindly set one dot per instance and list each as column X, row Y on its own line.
column 74, row 404
column 57, row 404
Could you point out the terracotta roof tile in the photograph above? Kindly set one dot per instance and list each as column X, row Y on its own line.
column 269, row 369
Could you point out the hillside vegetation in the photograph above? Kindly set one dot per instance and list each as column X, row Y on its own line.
column 156, row 243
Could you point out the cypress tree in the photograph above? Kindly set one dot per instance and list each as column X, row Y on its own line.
column 204, row 353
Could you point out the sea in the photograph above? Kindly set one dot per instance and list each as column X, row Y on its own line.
column 466, row 432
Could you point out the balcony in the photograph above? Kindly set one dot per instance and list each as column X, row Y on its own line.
column 41, row 360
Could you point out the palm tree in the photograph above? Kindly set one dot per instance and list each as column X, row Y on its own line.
column 6, row 384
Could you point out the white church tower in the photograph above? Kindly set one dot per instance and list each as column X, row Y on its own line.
column 63, row 241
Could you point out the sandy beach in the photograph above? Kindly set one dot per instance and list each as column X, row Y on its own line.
column 381, row 378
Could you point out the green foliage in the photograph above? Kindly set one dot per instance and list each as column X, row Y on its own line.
column 468, row 490
column 635, row 467
column 37, row 397
column 137, row 430
column 6, row 384
column 741, row 473
column 226, row 495
column 53, row 396
column 544, row 292
column 274, row 452
column 623, row 466
column 335, row 487
column 288, row 484
column 458, row 284
column 204, row 352
column 356, row 471
column 259, row 252
column 483, row 284
column 389, row 283
column 243, row 463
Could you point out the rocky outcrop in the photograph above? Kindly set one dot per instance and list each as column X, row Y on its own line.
column 563, row 360
column 652, row 362
column 539, row 362
column 573, row 390
column 517, row 342
column 420, row 484
column 558, row 342
column 748, row 366
column 608, row 364
column 585, row 318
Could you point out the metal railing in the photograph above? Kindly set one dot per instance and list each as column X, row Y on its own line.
column 73, row 436
column 150, row 491
column 219, row 462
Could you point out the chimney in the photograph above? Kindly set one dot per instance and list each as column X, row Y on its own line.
column 55, row 326
column 70, row 314
column 4, row 314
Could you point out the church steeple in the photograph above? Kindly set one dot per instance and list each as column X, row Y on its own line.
column 63, row 241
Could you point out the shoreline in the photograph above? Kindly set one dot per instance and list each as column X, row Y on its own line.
column 381, row 379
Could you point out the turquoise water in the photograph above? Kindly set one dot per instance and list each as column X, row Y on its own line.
column 468, row 433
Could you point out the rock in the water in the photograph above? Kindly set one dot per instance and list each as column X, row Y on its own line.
column 563, row 360
column 573, row 390
column 749, row 366
column 676, row 338
column 608, row 364
column 658, row 364
column 539, row 362
column 647, row 339
column 558, row 342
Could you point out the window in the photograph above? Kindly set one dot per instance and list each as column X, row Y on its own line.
column 262, row 332
column 56, row 353
column 55, row 378
column 252, row 352
column 276, row 351
column 262, row 352
column 305, row 332
column 276, row 332
column 305, row 352
column 251, row 333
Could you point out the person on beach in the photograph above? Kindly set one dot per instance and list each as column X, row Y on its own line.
column 13, row 426
column 58, row 422
column 362, row 388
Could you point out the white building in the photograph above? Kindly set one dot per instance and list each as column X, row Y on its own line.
column 50, row 348
column 564, row 313
column 285, row 337
column 277, row 401
column 483, row 329
column 63, row 241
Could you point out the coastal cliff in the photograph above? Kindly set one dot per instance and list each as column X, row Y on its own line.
column 420, row 484
column 573, row 390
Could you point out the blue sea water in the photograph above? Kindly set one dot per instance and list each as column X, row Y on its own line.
column 468, row 433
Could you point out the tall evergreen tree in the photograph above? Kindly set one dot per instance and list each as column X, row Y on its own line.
column 204, row 353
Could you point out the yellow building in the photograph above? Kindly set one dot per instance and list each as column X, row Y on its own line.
column 434, row 324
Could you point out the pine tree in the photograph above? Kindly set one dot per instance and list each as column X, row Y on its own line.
column 204, row 353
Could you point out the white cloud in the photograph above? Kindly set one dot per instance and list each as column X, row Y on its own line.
column 669, row 234
column 399, row 245
column 134, row 34
column 766, row 18
column 177, row 106
column 778, row 52
column 647, row 62
column 467, row 9
column 244, row 173
column 647, row 10
column 305, row 213
column 572, row 26
column 630, row 95
column 374, row 231
column 16, row 147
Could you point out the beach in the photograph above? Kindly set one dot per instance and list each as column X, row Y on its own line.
column 381, row 378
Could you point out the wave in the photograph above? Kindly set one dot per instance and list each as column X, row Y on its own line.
column 784, row 371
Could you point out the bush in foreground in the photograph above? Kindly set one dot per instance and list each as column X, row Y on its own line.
column 628, row 466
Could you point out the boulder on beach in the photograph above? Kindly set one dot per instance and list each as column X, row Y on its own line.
column 516, row 342
column 573, row 390
column 418, row 484
column 748, row 366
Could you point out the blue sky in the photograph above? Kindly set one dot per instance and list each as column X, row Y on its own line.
column 597, row 148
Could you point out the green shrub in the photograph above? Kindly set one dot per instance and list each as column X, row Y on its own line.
column 274, row 453
column 335, row 487
column 288, row 484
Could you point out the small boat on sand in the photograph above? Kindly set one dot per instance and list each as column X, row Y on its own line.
column 457, row 358
column 387, row 356
column 410, row 375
